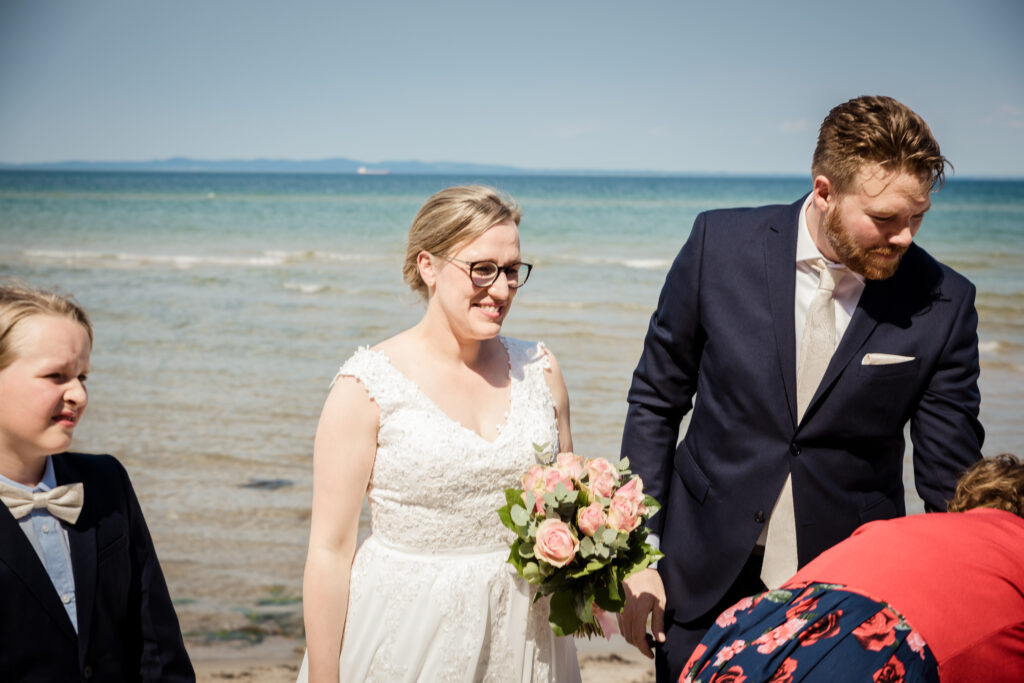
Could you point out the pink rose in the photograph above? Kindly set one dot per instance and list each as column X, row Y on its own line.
column 622, row 515
column 570, row 464
column 602, row 477
column 553, row 477
column 602, row 485
column 779, row 635
column 729, row 651
column 588, row 519
column 728, row 617
column 555, row 543
column 533, row 482
column 530, row 478
column 633, row 491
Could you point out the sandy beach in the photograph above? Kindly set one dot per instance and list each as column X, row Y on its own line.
column 276, row 660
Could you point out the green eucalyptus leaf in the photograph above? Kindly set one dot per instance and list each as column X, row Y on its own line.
column 529, row 500
column 519, row 515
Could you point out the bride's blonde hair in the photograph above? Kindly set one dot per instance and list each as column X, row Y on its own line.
column 452, row 217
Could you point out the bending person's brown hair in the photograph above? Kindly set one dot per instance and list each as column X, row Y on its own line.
column 991, row 483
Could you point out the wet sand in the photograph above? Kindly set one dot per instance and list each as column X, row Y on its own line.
column 276, row 660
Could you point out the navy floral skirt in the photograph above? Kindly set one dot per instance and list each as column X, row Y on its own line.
column 810, row 632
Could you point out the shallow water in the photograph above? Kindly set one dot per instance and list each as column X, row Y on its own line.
column 223, row 304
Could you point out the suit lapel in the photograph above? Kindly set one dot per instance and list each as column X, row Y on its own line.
column 82, row 543
column 19, row 555
column 780, row 274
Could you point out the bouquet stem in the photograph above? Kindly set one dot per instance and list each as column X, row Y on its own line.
column 589, row 630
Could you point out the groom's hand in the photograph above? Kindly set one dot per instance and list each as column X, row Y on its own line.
column 645, row 596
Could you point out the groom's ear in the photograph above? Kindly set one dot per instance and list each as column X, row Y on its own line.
column 425, row 263
column 823, row 193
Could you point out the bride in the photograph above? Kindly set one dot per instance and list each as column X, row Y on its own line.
column 432, row 425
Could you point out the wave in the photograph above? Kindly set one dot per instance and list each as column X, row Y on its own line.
column 634, row 263
column 306, row 287
column 1001, row 347
column 265, row 259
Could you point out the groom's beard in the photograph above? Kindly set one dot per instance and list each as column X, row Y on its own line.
column 867, row 262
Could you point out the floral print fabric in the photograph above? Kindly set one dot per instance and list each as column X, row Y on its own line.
column 810, row 632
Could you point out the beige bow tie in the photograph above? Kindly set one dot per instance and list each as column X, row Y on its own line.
column 63, row 502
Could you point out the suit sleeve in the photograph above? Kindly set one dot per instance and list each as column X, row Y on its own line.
column 944, row 429
column 163, row 657
column 665, row 379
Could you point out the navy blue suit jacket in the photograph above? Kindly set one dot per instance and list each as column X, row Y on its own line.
column 722, row 342
column 127, row 627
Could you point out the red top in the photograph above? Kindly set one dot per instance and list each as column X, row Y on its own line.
column 957, row 577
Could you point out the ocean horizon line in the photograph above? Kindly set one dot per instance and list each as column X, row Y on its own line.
column 347, row 167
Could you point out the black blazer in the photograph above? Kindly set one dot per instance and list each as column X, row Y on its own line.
column 724, row 330
column 128, row 630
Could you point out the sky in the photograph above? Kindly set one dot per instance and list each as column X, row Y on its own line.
column 682, row 86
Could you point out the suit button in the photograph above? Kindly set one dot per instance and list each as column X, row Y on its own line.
column 794, row 448
column 759, row 517
column 87, row 671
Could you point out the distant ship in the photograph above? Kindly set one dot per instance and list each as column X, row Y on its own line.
column 362, row 170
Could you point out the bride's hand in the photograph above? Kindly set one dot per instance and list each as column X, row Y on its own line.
column 645, row 596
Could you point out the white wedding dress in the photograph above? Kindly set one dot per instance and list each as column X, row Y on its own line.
column 432, row 597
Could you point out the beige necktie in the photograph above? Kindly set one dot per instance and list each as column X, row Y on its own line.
column 63, row 502
column 817, row 345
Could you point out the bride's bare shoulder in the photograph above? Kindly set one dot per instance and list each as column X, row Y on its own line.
column 401, row 350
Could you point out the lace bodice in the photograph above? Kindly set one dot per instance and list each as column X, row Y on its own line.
column 436, row 484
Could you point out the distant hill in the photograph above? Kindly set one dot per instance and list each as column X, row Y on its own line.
column 336, row 165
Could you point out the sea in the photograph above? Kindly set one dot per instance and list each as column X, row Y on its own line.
column 224, row 303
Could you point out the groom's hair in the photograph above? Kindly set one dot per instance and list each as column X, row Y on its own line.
column 873, row 129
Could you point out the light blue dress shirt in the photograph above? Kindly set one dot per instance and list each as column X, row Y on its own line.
column 49, row 538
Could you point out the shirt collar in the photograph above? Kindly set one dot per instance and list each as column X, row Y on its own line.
column 806, row 249
column 49, row 480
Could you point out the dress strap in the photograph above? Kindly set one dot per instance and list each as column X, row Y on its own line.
column 386, row 386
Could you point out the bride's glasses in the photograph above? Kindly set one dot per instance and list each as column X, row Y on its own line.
column 485, row 273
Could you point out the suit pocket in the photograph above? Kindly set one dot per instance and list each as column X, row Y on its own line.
column 694, row 479
column 112, row 548
column 881, row 373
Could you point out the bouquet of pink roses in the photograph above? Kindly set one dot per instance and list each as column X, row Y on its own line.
column 579, row 525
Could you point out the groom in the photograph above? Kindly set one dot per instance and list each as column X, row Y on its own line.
column 804, row 338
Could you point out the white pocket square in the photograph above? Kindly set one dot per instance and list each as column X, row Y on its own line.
column 884, row 359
